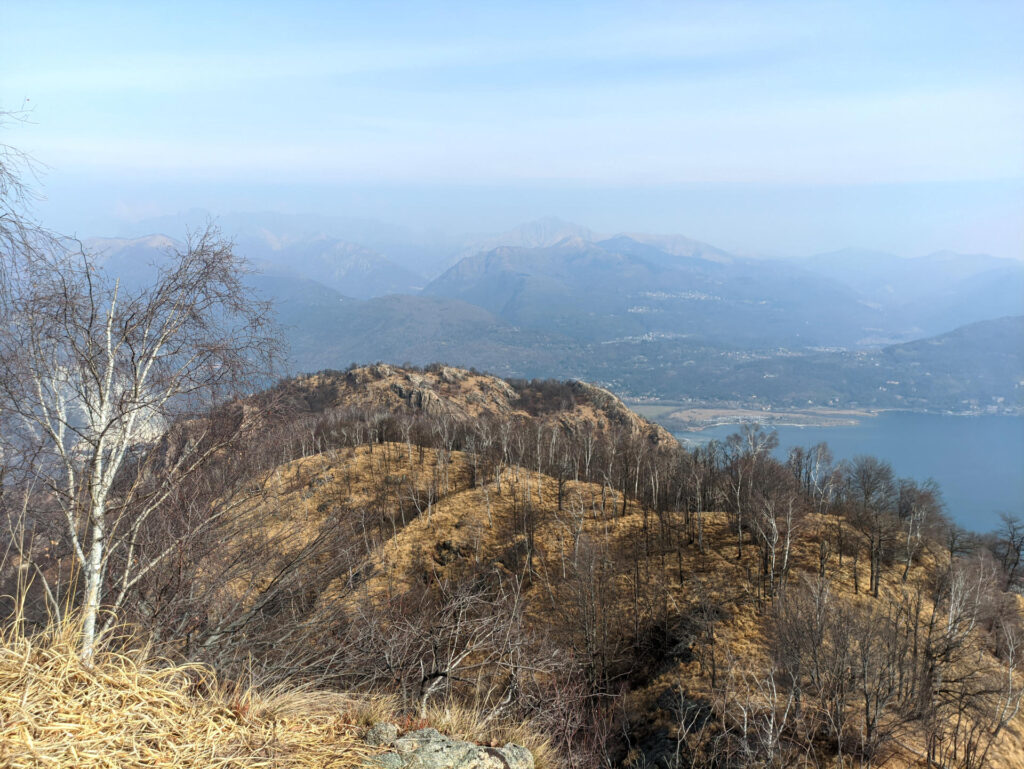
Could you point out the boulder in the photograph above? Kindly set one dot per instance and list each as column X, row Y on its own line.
column 429, row 749
column 381, row 735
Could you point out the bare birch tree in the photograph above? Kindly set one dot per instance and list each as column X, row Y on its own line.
column 92, row 375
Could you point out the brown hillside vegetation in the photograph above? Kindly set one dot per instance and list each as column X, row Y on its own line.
column 535, row 554
column 590, row 581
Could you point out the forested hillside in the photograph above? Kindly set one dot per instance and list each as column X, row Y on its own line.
column 534, row 553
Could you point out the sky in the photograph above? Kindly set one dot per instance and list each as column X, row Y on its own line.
column 766, row 127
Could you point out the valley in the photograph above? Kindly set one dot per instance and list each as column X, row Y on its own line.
column 651, row 317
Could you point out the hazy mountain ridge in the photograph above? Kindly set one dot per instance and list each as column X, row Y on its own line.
column 975, row 368
column 539, row 233
column 911, row 297
column 131, row 259
column 877, row 273
column 349, row 268
column 652, row 316
column 620, row 287
column 420, row 252
column 928, row 294
column 418, row 330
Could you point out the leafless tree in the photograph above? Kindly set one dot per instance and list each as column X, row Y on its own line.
column 873, row 493
column 917, row 506
column 774, row 520
column 1008, row 547
column 20, row 231
column 93, row 376
column 746, row 454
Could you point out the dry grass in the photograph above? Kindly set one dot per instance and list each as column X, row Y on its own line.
column 134, row 710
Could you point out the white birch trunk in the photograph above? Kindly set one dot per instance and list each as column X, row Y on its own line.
column 93, row 595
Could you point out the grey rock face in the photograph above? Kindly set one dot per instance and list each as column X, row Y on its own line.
column 429, row 749
column 381, row 734
column 387, row 761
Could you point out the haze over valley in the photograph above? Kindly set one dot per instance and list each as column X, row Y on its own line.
column 651, row 317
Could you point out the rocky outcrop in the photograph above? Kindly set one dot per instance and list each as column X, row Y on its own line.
column 617, row 413
column 464, row 396
column 429, row 749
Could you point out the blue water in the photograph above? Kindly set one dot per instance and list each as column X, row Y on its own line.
column 977, row 461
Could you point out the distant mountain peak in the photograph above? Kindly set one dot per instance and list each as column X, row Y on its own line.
column 677, row 245
column 539, row 233
column 948, row 256
column 573, row 241
column 551, row 227
column 156, row 240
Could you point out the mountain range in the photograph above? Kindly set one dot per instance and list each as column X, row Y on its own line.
column 651, row 316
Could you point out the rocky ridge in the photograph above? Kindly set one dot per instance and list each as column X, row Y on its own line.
column 464, row 395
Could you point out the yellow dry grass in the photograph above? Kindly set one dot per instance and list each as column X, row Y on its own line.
column 131, row 709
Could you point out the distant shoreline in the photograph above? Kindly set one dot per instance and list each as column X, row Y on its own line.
column 676, row 417
column 697, row 419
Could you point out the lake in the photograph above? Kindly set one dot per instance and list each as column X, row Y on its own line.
column 977, row 460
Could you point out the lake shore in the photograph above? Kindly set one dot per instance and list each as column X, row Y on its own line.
column 695, row 419
column 976, row 459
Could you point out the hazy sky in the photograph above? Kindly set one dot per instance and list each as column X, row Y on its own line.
column 776, row 127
